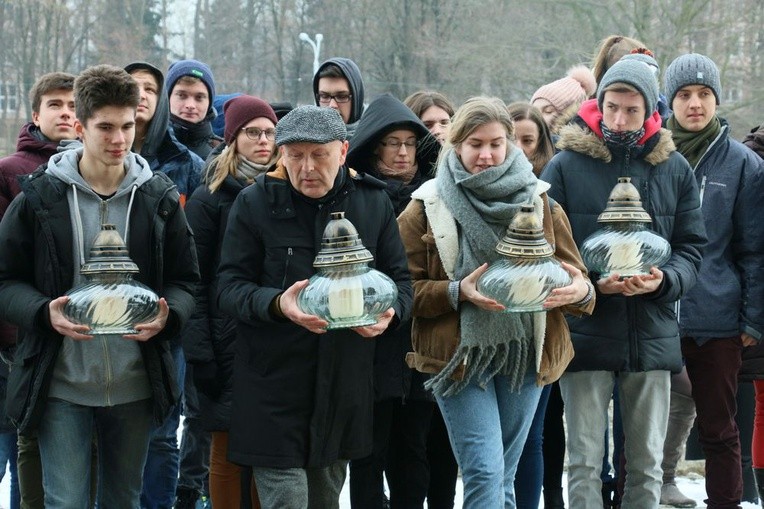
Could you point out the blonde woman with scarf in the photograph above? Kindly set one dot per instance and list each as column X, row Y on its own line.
column 488, row 366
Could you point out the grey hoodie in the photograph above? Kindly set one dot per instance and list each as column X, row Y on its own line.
column 107, row 370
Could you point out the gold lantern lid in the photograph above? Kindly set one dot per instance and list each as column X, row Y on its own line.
column 341, row 244
column 624, row 204
column 525, row 236
column 109, row 255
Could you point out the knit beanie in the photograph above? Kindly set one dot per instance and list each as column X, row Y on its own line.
column 692, row 69
column 576, row 87
column 192, row 68
column 645, row 59
column 242, row 109
column 635, row 73
column 310, row 124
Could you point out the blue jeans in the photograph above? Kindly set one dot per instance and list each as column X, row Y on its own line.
column 488, row 427
column 9, row 454
column 66, row 436
column 160, row 472
column 530, row 469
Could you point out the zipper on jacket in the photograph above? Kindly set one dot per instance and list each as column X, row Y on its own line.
column 286, row 267
column 633, row 346
column 107, row 364
column 702, row 188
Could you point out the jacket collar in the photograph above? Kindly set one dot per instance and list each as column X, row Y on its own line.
column 584, row 136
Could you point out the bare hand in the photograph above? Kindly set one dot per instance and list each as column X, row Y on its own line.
column 148, row 330
column 630, row 286
column 61, row 323
column 378, row 328
column 290, row 309
column 468, row 291
column 571, row 294
column 748, row 340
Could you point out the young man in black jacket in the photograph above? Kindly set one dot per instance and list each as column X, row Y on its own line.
column 67, row 384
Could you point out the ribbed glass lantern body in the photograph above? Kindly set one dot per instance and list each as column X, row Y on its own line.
column 522, row 284
column 626, row 248
column 111, row 304
column 345, row 291
column 348, row 296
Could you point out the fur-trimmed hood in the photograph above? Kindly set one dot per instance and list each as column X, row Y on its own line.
column 584, row 136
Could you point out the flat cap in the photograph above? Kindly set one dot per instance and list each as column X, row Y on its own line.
column 310, row 124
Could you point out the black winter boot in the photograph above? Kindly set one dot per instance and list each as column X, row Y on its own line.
column 758, row 474
column 553, row 499
column 185, row 498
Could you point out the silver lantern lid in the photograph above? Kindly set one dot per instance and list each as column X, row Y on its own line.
column 624, row 204
column 109, row 255
column 341, row 244
column 525, row 236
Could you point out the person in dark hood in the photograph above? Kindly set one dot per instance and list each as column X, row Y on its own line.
column 191, row 89
column 155, row 142
column 392, row 144
column 755, row 140
column 338, row 85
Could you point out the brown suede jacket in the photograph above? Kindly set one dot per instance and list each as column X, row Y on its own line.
column 435, row 331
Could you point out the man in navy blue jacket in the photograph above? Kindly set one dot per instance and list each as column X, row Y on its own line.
column 725, row 310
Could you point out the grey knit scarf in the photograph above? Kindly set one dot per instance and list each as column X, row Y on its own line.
column 483, row 205
column 250, row 170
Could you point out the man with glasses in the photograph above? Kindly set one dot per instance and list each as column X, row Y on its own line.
column 338, row 85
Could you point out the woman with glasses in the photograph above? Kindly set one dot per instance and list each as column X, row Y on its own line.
column 393, row 145
column 434, row 110
column 488, row 366
column 208, row 340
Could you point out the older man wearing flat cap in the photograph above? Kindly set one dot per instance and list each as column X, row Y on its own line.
column 302, row 403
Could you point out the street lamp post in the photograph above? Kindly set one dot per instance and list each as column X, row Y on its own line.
column 316, row 45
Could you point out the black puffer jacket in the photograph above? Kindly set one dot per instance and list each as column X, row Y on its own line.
column 637, row 333
column 208, row 339
column 392, row 376
column 300, row 399
column 162, row 246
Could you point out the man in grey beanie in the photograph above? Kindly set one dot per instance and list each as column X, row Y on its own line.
column 632, row 335
column 724, row 311
column 303, row 396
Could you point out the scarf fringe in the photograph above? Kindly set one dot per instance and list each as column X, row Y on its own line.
column 482, row 364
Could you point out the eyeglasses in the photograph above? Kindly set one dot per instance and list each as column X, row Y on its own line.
column 442, row 123
column 254, row 133
column 396, row 144
column 342, row 97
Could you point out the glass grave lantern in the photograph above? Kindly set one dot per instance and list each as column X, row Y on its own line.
column 109, row 300
column 345, row 291
column 527, row 274
column 624, row 245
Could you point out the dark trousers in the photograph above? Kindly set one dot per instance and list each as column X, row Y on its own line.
column 553, row 444
column 400, row 441
column 443, row 467
column 713, row 369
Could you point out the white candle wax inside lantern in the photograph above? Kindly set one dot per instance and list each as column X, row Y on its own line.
column 108, row 309
column 346, row 298
column 625, row 256
column 526, row 290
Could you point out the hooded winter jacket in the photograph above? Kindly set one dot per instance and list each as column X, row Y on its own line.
column 355, row 82
column 40, row 246
column 729, row 296
column 301, row 399
column 161, row 148
column 392, row 377
column 638, row 333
